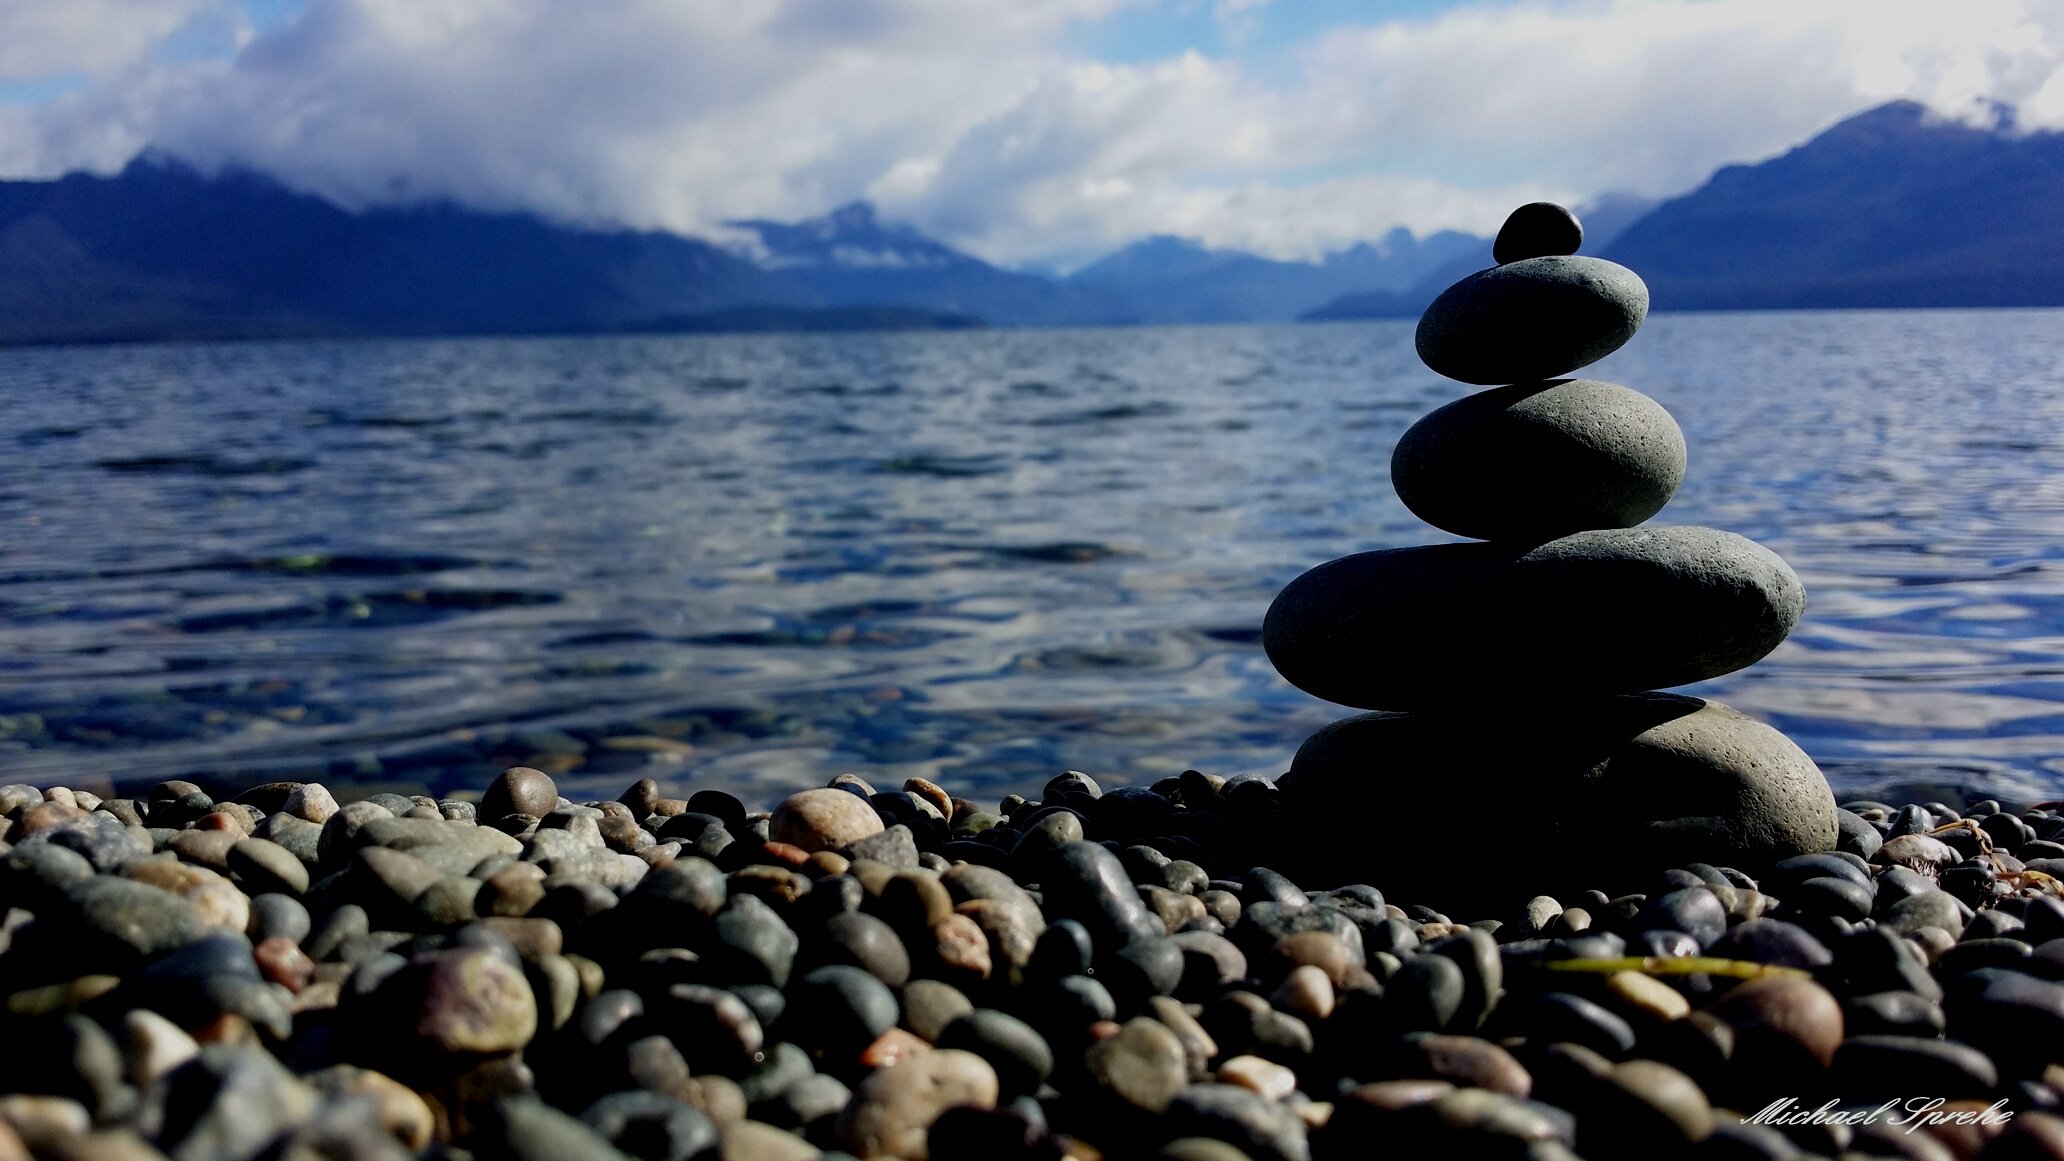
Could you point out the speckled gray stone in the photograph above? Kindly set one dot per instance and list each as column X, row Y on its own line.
column 1531, row 319
column 1535, row 461
column 1609, row 611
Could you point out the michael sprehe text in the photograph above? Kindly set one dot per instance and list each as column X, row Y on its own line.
column 1914, row 1113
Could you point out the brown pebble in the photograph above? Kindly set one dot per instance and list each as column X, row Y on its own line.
column 932, row 793
column 1306, row 992
column 44, row 815
column 1172, row 908
column 892, row 1109
column 1266, row 1077
column 717, row 1097
column 206, row 847
column 227, row 1028
column 512, row 891
column 532, row 938
column 284, row 963
column 519, row 790
column 776, row 885
column 1104, row 1029
column 823, row 864
column 1144, row 1065
column 669, row 807
column 1320, row 949
column 1466, row 1061
column 913, row 901
column 1391, row 1095
column 642, row 798
column 1778, row 1020
column 823, row 820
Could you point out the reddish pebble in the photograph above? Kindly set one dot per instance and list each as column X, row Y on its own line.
column 891, row 1046
column 45, row 815
column 284, row 963
column 1104, row 1029
column 217, row 820
column 786, row 854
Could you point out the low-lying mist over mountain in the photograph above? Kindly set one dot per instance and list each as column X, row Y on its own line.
column 1888, row 208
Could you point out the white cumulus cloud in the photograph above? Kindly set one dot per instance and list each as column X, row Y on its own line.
column 977, row 120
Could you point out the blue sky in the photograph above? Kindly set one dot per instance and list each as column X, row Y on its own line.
column 1034, row 131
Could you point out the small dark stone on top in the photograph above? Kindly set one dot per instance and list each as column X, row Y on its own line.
column 1536, row 230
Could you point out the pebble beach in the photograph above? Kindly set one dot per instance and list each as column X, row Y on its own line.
column 904, row 973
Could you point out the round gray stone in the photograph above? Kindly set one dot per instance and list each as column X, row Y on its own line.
column 1600, row 612
column 1531, row 319
column 1612, row 789
column 1535, row 461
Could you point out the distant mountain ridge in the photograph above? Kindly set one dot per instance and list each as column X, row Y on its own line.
column 1890, row 208
column 1165, row 279
column 1887, row 208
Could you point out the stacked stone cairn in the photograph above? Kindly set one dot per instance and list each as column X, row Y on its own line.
column 1512, row 677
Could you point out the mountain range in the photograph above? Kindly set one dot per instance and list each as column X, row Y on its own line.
column 1888, row 208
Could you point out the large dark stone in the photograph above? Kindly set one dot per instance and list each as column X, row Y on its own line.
column 1610, row 790
column 1610, row 611
column 1531, row 319
column 1535, row 461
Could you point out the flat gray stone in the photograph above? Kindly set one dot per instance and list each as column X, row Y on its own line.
column 1532, row 319
column 1535, row 461
column 1601, row 612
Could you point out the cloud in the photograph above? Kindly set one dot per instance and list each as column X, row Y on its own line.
column 41, row 39
column 973, row 119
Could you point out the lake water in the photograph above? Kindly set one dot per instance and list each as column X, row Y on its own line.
column 753, row 562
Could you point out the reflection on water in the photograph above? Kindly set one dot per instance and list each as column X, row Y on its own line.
column 986, row 556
